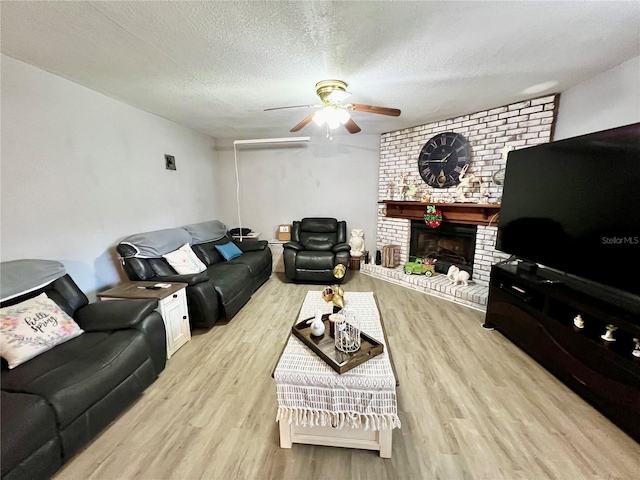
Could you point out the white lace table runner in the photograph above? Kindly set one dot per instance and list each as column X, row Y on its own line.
column 311, row 393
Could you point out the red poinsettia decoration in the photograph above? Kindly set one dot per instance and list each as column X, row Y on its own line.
column 433, row 216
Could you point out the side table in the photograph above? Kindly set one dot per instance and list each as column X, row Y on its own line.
column 172, row 304
column 251, row 236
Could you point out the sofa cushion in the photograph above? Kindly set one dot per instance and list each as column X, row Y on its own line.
column 256, row 261
column 229, row 251
column 318, row 241
column 315, row 260
column 32, row 327
column 76, row 374
column 184, row 261
column 229, row 280
column 161, row 267
column 208, row 253
column 28, row 430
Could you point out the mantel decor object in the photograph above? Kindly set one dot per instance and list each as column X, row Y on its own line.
column 466, row 180
column 433, row 216
column 390, row 186
column 412, row 190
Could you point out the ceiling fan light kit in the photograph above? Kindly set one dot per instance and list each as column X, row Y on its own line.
column 333, row 114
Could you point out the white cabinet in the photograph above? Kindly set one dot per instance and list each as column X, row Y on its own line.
column 176, row 320
column 172, row 305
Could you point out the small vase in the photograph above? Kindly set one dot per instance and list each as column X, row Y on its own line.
column 317, row 325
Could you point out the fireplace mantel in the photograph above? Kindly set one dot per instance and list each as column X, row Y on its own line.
column 468, row 213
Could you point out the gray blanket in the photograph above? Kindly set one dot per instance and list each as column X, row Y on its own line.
column 18, row 277
column 206, row 231
column 157, row 243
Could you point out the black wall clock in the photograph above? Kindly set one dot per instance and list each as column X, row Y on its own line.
column 442, row 158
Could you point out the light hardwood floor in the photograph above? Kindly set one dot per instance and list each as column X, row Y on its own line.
column 472, row 405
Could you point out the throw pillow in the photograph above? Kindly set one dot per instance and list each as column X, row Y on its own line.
column 32, row 327
column 229, row 250
column 184, row 261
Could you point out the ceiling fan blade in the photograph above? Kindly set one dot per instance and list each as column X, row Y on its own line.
column 351, row 126
column 359, row 107
column 292, row 106
column 303, row 123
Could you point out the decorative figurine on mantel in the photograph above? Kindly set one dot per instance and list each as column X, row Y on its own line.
column 484, row 194
column 402, row 185
column 609, row 335
column 466, row 181
column 426, row 196
column 356, row 242
column 390, row 186
column 412, row 190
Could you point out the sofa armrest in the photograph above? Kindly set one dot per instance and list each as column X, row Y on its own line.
column 251, row 245
column 114, row 314
column 153, row 329
column 341, row 247
column 294, row 246
column 190, row 279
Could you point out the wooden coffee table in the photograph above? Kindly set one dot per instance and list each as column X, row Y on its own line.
column 318, row 406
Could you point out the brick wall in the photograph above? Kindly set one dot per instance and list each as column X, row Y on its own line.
column 491, row 133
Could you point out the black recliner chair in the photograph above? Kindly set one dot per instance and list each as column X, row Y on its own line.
column 317, row 245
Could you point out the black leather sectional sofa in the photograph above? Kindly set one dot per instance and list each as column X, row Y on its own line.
column 53, row 404
column 221, row 290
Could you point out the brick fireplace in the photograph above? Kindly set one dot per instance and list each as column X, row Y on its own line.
column 491, row 134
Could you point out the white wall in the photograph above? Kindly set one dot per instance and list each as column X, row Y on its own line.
column 81, row 170
column 322, row 178
column 608, row 100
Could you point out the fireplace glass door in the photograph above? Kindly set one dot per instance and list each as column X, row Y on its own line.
column 450, row 244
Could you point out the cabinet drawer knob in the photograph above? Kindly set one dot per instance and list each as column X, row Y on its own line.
column 184, row 317
column 175, row 295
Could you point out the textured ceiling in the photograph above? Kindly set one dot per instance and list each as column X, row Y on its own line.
column 215, row 66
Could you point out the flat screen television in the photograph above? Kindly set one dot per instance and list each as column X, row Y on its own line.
column 574, row 206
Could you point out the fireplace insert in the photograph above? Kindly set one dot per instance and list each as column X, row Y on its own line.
column 450, row 244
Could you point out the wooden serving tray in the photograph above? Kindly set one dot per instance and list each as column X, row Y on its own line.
column 325, row 348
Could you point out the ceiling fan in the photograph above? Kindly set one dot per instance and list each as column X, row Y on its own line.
column 332, row 112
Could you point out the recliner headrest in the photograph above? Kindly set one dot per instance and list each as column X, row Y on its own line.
column 319, row 225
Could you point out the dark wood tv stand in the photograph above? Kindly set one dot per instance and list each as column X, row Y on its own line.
column 536, row 311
